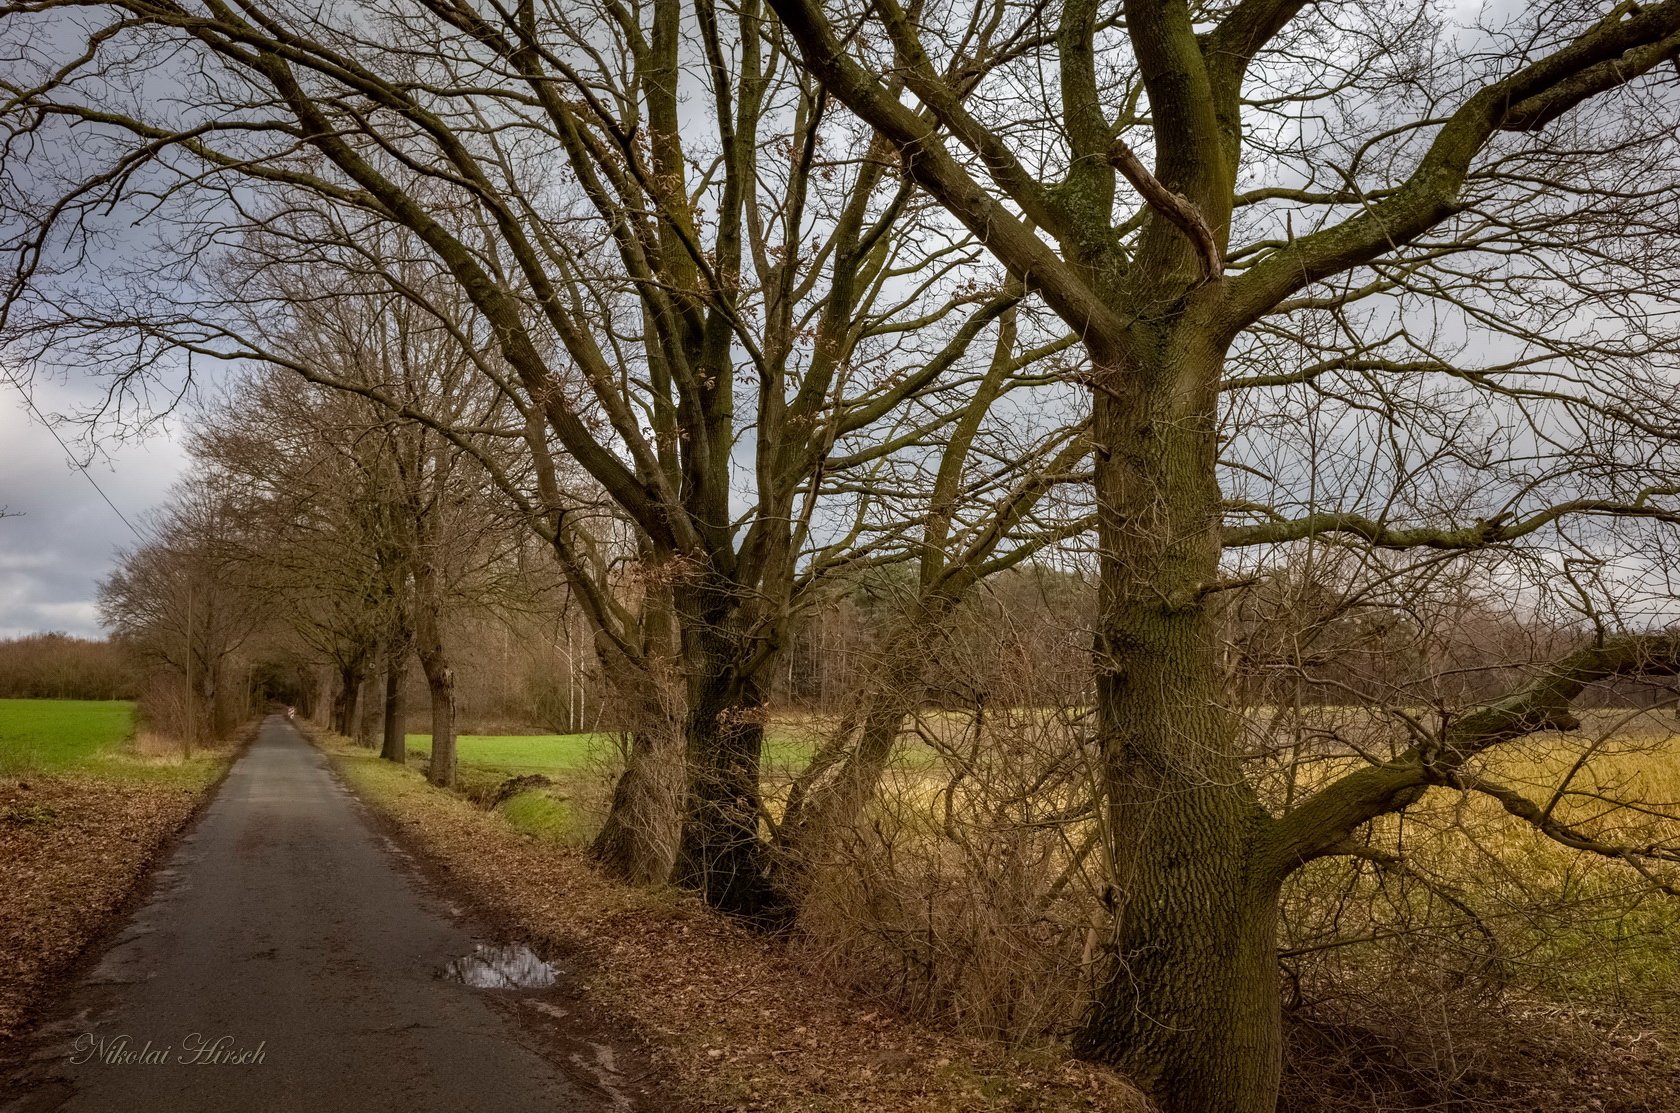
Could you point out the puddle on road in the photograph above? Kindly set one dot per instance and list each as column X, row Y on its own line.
column 510, row 966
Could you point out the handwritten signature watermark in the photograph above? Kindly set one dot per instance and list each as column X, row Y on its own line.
column 196, row 1049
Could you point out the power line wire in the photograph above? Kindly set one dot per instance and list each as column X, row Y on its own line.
column 71, row 456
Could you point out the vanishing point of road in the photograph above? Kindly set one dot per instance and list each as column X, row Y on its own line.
column 286, row 950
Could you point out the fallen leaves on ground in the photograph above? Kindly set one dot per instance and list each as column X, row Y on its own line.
column 71, row 849
column 737, row 1022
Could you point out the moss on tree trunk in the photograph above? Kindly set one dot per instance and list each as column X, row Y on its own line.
column 1187, row 1000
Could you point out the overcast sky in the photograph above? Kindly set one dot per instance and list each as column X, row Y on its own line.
column 53, row 555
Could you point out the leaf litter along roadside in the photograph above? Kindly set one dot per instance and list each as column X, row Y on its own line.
column 734, row 1022
column 74, row 847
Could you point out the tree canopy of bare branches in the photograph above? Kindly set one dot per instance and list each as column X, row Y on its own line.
column 718, row 315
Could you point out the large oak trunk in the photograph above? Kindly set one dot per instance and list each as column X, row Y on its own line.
column 1187, row 1001
column 721, row 854
column 638, row 842
column 1188, row 1005
column 323, row 704
column 370, row 708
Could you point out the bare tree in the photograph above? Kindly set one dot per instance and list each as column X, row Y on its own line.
column 723, row 314
column 958, row 546
column 178, row 600
column 387, row 523
column 1326, row 180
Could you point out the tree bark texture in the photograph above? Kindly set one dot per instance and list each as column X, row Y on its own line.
column 395, row 746
column 638, row 842
column 1187, row 1002
column 721, row 854
column 440, row 678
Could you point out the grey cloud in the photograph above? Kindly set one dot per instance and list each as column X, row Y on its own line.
column 54, row 553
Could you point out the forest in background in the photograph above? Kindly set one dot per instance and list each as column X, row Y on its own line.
column 58, row 666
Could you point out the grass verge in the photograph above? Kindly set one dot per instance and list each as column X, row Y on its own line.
column 787, row 747
column 735, row 1021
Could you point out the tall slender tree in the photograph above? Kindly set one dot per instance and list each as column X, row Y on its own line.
column 182, row 602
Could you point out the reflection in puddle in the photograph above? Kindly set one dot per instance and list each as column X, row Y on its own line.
column 513, row 966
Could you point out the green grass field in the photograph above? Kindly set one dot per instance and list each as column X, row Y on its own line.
column 516, row 753
column 485, row 760
column 49, row 735
column 579, row 763
column 94, row 738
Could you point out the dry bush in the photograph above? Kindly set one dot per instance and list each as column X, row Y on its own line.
column 962, row 922
column 154, row 746
column 1478, row 965
column 1470, row 963
column 964, row 894
column 1473, row 980
column 1405, row 1046
column 163, row 708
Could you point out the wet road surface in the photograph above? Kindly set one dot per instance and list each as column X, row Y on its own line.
column 285, row 960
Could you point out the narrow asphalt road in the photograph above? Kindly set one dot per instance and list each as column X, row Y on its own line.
column 283, row 926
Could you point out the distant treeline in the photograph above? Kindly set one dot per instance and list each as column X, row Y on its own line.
column 58, row 666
